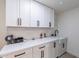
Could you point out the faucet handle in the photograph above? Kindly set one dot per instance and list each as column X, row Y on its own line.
column 41, row 35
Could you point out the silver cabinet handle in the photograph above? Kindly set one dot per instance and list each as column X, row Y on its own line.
column 42, row 47
column 38, row 23
column 63, row 45
column 19, row 54
column 18, row 21
column 49, row 24
column 54, row 44
column 42, row 54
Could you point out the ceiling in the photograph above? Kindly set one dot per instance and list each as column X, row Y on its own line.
column 60, row 5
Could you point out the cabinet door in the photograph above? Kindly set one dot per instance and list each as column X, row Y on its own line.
column 47, row 51
column 12, row 12
column 52, row 50
column 37, row 14
column 54, row 47
column 46, row 16
column 52, row 17
column 41, row 51
column 36, row 52
column 62, row 46
column 25, row 12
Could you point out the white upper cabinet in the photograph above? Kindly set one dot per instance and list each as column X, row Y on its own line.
column 28, row 13
column 25, row 7
column 41, row 16
column 37, row 14
column 34, row 14
column 18, row 13
column 46, row 16
column 12, row 12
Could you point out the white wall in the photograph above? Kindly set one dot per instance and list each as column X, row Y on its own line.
column 2, row 23
column 68, row 25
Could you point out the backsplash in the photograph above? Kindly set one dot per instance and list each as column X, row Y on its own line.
column 29, row 33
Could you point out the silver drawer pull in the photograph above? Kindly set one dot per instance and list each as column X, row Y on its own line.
column 19, row 54
column 63, row 45
column 49, row 24
column 18, row 21
column 42, row 47
column 38, row 23
column 42, row 54
column 54, row 44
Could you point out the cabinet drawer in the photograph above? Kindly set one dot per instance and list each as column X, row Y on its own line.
column 42, row 46
column 26, row 53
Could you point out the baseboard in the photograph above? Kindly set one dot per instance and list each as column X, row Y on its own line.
column 61, row 55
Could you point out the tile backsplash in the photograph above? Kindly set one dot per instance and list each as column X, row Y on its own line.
column 28, row 33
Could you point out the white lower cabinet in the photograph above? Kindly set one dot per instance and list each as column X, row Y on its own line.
column 12, row 12
column 27, row 53
column 47, row 50
column 62, row 46
column 54, row 49
column 41, row 51
column 58, row 48
column 28, row 13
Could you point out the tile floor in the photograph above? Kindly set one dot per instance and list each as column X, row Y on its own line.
column 67, row 55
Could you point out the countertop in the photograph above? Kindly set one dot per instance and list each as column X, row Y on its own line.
column 25, row 45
